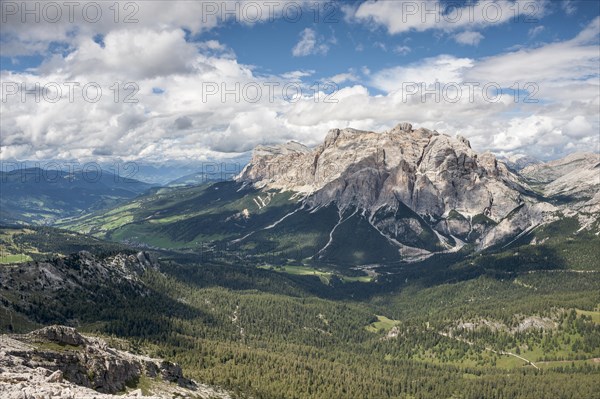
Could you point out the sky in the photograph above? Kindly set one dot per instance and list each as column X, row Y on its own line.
column 193, row 81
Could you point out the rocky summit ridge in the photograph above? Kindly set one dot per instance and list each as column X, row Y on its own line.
column 431, row 173
column 443, row 184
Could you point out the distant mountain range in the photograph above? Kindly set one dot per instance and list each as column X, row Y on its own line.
column 361, row 198
column 519, row 161
column 41, row 196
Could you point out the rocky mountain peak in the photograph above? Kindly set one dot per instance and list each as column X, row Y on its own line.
column 573, row 182
column 402, row 127
column 518, row 162
column 464, row 141
column 422, row 156
column 438, row 177
column 546, row 172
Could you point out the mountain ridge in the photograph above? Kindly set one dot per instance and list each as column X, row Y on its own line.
column 40, row 196
column 358, row 198
column 438, row 177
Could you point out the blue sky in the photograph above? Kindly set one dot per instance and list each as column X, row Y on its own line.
column 358, row 45
column 370, row 49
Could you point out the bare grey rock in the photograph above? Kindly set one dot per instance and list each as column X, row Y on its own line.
column 59, row 334
column 548, row 172
column 518, row 162
column 536, row 323
column 58, row 362
column 57, row 376
column 573, row 183
column 404, row 127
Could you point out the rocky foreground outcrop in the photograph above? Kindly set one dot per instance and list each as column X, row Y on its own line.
column 58, row 362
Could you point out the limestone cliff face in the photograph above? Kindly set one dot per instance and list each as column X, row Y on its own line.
column 446, row 184
column 432, row 173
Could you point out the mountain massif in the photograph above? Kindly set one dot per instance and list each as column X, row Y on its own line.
column 406, row 184
column 361, row 198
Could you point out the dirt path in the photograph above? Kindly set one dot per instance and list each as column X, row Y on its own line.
column 490, row 349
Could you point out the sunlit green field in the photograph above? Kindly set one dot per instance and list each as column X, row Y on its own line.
column 595, row 314
column 382, row 324
column 14, row 258
column 11, row 252
column 325, row 276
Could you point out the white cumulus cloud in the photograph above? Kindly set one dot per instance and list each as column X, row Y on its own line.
column 401, row 16
column 468, row 38
column 309, row 44
column 174, row 118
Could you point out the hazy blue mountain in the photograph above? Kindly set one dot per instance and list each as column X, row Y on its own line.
column 40, row 196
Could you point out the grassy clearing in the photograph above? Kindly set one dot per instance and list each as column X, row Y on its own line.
column 325, row 276
column 473, row 359
column 595, row 314
column 567, row 363
column 512, row 362
column 126, row 207
column 359, row 279
column 137, row 233
column 382, row 323
column 11, row 252
column 300, row 271
column 14, row 258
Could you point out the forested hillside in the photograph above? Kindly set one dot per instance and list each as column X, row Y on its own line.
column 521, row 322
